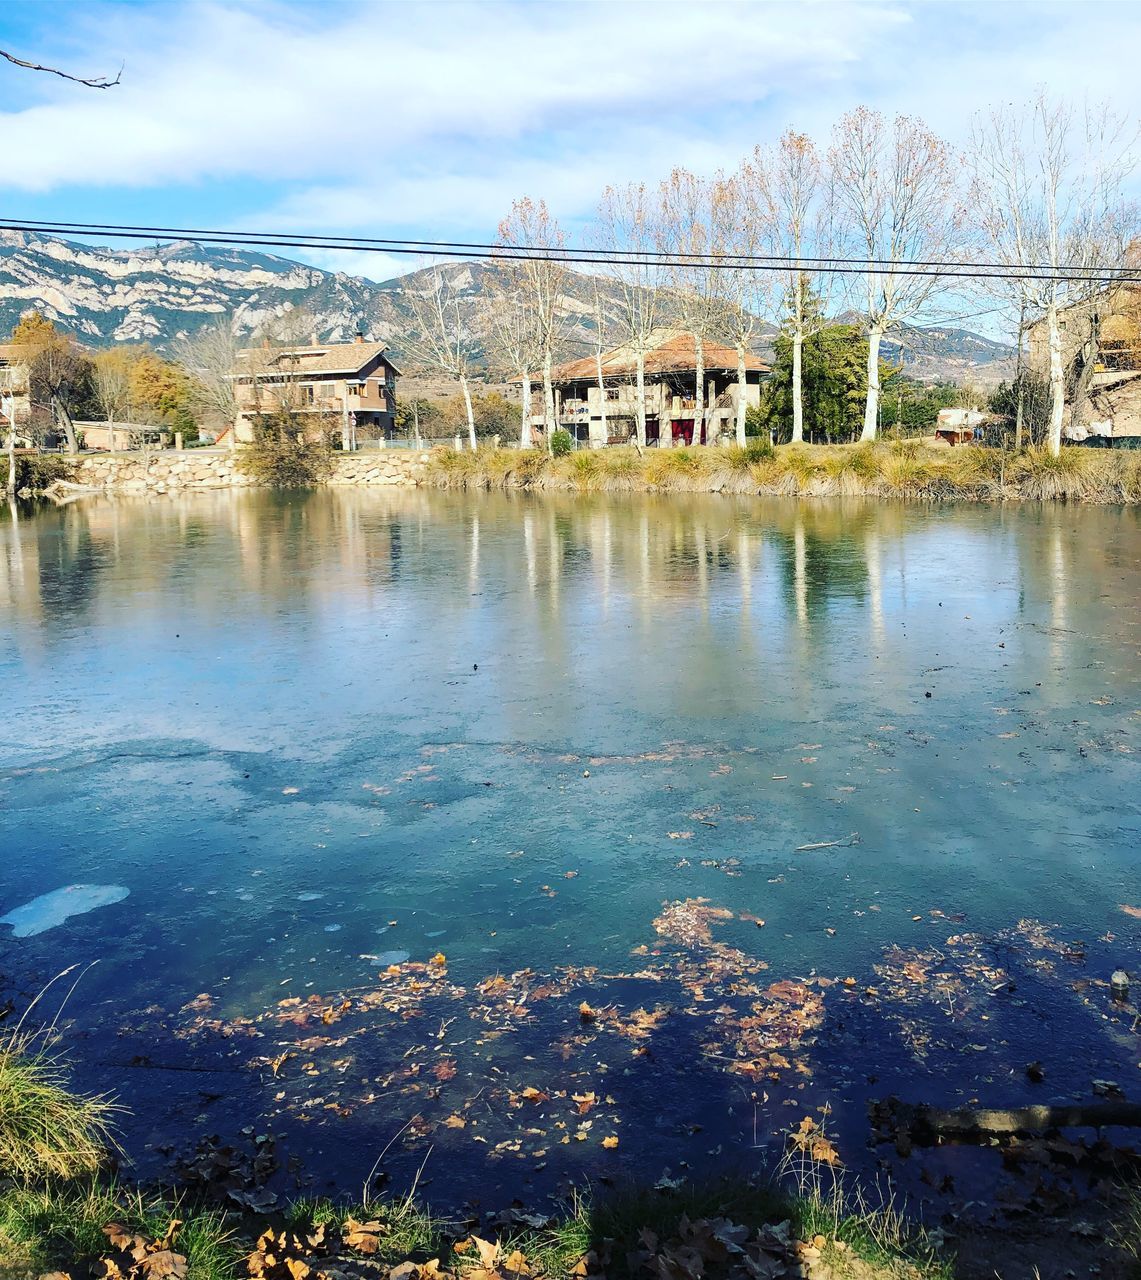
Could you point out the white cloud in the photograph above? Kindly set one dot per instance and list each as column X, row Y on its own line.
column 263, row 92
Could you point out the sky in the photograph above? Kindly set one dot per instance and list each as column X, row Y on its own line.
column 426, row 119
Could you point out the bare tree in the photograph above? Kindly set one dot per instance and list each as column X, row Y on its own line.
column 210, row 356
column 802, row 232
column 1048, row 187
column 111, row 380
column 741, row 213
column 512, row 341
column 442, row 339
column 628, row 226
column 541, row 278
column 601, row 336
column 687, row 232
column 897, row 184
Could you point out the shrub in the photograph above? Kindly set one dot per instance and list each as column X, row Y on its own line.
column 38, row 471
column 284, row 455
column 561, row 443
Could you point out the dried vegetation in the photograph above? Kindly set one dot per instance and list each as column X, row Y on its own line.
column 905, row 469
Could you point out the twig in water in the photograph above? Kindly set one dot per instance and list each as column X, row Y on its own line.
column 854, row 838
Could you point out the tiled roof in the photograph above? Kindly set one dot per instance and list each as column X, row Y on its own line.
column 670, row 351
column 327, row 358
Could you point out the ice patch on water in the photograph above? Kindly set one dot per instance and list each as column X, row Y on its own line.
column 52, row 909
column 332, row 928
column 309, row 897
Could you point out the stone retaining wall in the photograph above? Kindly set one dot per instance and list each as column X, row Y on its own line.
column 173, row 471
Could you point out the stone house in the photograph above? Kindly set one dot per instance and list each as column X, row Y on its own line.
column 346, row 387
column 670, row 392
column 1112, row 386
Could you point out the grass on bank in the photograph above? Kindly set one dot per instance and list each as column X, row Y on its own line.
column 62, row 1227
column 886, row 469
column 47, row 1130
column 52, row 1226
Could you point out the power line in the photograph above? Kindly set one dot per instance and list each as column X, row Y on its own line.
column 635, row 258
column 556, row 253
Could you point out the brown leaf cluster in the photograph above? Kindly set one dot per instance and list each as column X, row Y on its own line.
column 135, row 1256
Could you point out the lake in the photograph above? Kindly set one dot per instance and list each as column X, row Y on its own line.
column 483, row 825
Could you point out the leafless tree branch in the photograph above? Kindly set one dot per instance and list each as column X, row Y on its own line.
column 96, row 82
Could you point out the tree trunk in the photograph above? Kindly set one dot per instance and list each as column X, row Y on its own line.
column 548, row 395
column 1090, row 351
column 699, row 387
column 601, row 395
column 468, row 410
column 1057, row 381
column 872, row 403
column 525, row 425
column 12, row 457
column 640, row 407
column 741, row 438
column 930, row 1124
column 1019, row 380
column 64, row 417
column 110, row 433
column 797, row 386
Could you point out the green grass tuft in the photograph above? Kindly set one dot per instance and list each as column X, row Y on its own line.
column 47, row 1131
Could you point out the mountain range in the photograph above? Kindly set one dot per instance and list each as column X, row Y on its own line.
column 158, row 293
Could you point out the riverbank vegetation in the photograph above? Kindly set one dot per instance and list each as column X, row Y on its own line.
column 903, row 469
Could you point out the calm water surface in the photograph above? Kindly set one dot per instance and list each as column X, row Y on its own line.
column 314, row 736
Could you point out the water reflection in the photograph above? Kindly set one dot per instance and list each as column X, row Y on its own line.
column 682, row 555
column 224, row 701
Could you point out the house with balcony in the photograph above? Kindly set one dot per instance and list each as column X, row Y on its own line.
column 600, row 413
column 345, row 388
column 15, row 394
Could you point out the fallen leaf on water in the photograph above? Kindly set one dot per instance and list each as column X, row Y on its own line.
column 586, row 1013
column 610, row 1143
column 439, row 958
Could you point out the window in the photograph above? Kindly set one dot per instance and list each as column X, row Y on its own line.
column 354, row 388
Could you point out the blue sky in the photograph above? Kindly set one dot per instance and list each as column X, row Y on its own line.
column 427, row 119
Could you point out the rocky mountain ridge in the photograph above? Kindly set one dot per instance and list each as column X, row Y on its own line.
column 156, row 293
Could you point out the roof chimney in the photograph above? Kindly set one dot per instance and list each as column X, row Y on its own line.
column 313, row 338
column 359, row 336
